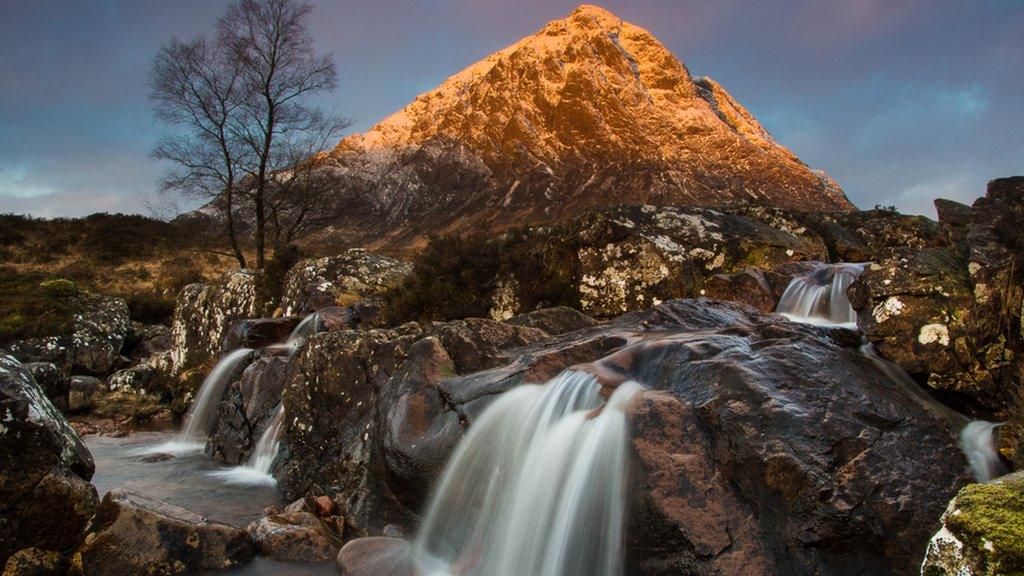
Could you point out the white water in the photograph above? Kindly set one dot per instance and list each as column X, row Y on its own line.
column 204, row 408
column 310, row 325
column 819, row 297
column 257, row 470
column 536, row 487
column 978, row 444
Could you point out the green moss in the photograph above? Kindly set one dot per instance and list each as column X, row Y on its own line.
column 991, row 513
column 32, row 305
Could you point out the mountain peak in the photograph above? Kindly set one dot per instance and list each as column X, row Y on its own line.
column 589, row 110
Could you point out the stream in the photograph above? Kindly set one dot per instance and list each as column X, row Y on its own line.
column 190, row 481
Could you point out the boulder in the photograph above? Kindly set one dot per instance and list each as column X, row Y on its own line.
column 342, row 280
column 950, row 314
column 376, row 556
column 763, row 447
column 295, row 536
column 101, row 326
column 633, row 257
column 259, row 332
column 133, row 534
column 247, row 409
column 45, row 468
column 52, row 380
column 145, row 340
column 80, row 391
column 203, row 315
column 36, row 562
column 137, row 379
column 982, row 531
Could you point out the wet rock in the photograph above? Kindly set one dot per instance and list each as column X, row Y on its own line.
column 339, row 280
column 36, row 562
column 296, row 536
column 259, row 332
column 52, row 380
column 376, row 555
column 476, row 344
column 247, row 409
column 45, row 495
column 203, row 315
column 80, row 391
column 982, row 531
column 101, row 325
column 156, row 457
column 133, row 534
column 765, row 447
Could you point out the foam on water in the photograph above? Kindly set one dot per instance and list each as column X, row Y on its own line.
column 537, row 486
column 819, row 297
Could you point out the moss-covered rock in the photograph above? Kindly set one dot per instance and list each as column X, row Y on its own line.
column 982, row 532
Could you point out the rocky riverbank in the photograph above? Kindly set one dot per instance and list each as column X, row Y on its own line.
column 759, row 445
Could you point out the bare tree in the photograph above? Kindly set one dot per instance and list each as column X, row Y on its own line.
column 268, row 43
column 197, row 88
column 246, row 139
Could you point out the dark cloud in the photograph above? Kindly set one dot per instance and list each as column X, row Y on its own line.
column 900, row 100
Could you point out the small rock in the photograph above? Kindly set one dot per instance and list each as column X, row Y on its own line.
column 375, row 557
column 296, row 536
column 157, row 457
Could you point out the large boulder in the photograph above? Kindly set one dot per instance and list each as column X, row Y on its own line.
column 634, row 257
column 133, row 534
column 982, row 531
column 354, row 275
column 45, row 495
column 951, row 314
column 100, row 329
column 247, row 408
column 203, row 315
column 763, row 447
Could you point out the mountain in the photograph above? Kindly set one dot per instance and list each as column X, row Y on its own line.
column 588, row 111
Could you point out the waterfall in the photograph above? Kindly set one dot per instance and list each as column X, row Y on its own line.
column 978, row 444
column 266, row 449
column 204, row 408
column 819, row 297
column 976, row 439
column 257, row 469
column 310, row 325
column 537, row 486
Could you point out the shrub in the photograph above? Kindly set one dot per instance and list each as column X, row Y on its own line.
column 33, row 306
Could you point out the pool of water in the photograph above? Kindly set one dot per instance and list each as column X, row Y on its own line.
column 193, row 481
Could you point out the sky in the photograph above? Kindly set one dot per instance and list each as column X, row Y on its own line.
column 901, row 101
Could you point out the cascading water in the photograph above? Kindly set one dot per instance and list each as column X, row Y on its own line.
column 537, row 486
column 310, row 325
column 204, row 408
column 257, row 469
column 819, row 297
column 978, row 444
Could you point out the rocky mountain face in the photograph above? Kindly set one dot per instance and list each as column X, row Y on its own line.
column 588, row 111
